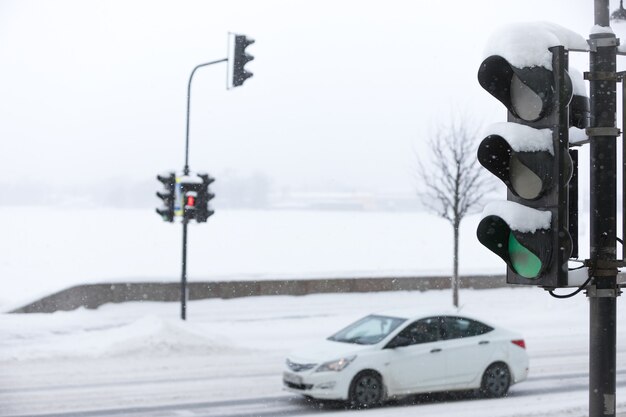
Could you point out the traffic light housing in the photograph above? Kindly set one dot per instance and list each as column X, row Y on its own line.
column 530, row 155
column 166, row 211
column 204, row 198
column 195, row 197
column 240, row 59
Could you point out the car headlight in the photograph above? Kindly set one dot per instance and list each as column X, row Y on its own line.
column 336, row 365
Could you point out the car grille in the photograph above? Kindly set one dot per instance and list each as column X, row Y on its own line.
column 302, row 387
column 299, row 367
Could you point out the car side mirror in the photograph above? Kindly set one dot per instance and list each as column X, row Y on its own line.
column 398, row 341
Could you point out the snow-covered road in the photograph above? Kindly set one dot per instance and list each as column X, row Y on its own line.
column 138, row 359
column 202, row 393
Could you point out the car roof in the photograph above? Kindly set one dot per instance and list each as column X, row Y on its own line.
column 416, row 314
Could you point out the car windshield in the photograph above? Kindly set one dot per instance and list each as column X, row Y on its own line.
column 368, row 331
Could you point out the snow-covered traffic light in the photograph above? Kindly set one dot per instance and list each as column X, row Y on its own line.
column 239, row 59
column 194, row 193
column 166, row 211
column 204, row 198
column 530, row 155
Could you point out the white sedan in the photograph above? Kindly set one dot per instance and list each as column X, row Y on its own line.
column 400, row 353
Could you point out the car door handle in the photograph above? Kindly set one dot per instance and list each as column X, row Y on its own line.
column 483, row 342
column 435, row 350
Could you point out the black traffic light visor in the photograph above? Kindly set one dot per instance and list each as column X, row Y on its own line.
column 495, row 75
column 528, row 254
column 167, row 178
column 206, row 178
column 493, row 233
column 495, row 153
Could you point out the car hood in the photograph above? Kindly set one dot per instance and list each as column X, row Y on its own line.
column 326, row 351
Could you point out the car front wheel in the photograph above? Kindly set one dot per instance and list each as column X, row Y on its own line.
column 366, row 390
column 496, row 381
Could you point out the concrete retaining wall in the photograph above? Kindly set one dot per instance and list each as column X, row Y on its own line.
column 94, row 295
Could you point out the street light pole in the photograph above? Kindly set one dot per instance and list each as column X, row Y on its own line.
column 183, row 279
column 192, row 192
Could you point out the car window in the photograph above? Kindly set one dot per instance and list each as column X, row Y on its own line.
column 368, row 330
column 422, row 331
column 459, row 327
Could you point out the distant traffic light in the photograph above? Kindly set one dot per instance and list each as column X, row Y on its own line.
column 204, row 198
column 240, row 59
column 194, row 197
column 530, row 155
column 166, row 211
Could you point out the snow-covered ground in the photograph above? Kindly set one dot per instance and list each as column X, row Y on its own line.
column 46, row 249
column 227, row 358
column 141, row 360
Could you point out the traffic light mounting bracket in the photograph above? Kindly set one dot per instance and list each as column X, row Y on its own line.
column 601, row 267
column 603, row 42
column 618, row 77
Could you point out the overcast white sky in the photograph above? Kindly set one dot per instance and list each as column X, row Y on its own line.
column 341, row 94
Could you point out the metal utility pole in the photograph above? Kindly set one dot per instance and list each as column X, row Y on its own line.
column 603, row 291
column 183, row 278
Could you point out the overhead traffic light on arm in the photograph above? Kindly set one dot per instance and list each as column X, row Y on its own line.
column 530, row 155
column 240, row 59
column 166, row 211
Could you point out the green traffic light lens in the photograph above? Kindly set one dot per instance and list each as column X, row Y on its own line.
column 524, row 262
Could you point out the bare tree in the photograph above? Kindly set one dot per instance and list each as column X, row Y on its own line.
column 452, row 184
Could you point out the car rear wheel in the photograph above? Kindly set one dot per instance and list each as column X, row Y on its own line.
column 366, row 390
column 496, row 381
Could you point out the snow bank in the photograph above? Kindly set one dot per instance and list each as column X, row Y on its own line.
column 523, row 138
column 154, row 335
column 526, row 44
column 148, row 335
column 519, row 218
